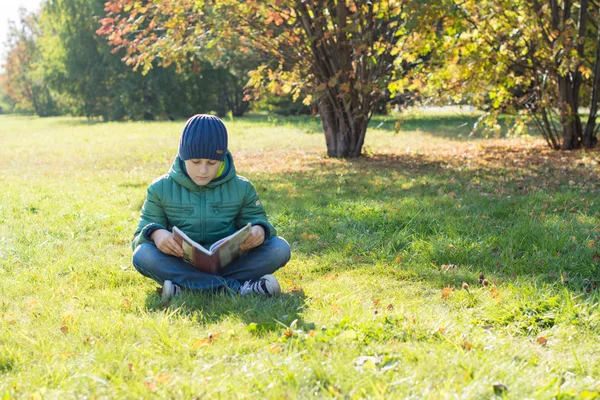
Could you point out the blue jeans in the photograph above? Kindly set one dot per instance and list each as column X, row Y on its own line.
column 267, row 258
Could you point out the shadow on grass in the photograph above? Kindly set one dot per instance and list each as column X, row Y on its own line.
column 258, row 313
column 518, row 216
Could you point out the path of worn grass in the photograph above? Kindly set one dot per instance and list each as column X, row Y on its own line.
column 373, row 304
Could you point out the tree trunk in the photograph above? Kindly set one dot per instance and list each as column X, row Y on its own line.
column 344, row 129
column 589, row 136
column 572, row 131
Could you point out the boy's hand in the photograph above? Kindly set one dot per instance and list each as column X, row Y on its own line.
column 165, row 242
column 256, row 238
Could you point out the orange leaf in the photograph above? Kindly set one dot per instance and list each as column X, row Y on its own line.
column 466, row 345
column 288, row 333
column 163, row 378
column 336, row 309
column 274, row 349
column 332, row 276
column 398, row 259
column 152, row 386
column 390, row 307
column 592, row 244
column 64, row 329
column 542, row 340
column 446, row 292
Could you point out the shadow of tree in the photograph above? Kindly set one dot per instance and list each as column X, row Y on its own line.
column 508, row 214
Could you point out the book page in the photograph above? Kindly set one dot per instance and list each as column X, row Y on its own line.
column 228, row 249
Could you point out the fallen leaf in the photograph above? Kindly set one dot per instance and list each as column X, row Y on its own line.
column 288, row 333
column 390, row 307
column 163, row 378
column 592, row 243
column 274, row 349
column 494, row 292
column 448, row 267
column 542, row 340
column 466, row 345
column 336, row 309
column 376, row 302
column 446, row 292
column 398, row 259
column 64, row 329
column 126, row 302
column 152, row 386
column 332, row 276
column 596, row 257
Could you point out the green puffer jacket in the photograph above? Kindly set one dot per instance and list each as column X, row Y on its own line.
column 205, row 213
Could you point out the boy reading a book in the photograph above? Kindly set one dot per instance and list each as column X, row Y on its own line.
column 204, row 198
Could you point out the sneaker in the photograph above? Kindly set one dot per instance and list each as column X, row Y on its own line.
column 267, row 285
column 170, row 290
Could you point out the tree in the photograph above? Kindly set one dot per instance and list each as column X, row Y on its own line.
column 341, row 53
column 534, row 55
column 23, row 81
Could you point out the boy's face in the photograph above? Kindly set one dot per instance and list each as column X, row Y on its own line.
column 202, row 170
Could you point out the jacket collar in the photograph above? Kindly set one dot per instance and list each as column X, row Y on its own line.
column 179, row 175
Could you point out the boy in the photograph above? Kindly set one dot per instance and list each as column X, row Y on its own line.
column 203, row 196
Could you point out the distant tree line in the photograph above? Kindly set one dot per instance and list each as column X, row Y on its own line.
column 58, row 64
column 343, row 59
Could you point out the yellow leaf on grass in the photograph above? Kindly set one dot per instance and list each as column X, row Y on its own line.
column 163, row 378
column 446, row 292
column 398, row 259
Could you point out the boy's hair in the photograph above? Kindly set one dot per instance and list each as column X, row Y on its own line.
column 203, row 136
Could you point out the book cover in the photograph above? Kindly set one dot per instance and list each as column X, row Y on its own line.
column 218, row 256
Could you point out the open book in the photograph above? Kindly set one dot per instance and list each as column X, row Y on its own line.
column 218, row 256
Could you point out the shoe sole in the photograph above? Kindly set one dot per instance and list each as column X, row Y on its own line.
column 273, row 283
column 168, row 290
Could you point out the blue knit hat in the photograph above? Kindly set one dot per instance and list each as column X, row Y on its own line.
column 203, row 136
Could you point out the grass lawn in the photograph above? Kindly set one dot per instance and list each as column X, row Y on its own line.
column 382, row 297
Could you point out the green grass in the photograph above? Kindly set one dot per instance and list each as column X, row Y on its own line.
column 362, row 314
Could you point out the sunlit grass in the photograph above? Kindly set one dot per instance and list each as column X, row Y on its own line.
column 364, row 311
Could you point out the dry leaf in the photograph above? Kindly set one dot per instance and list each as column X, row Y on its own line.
column 390, row 307
column 448, row 267
column 596, row 257
column 274, row 349
column 336, row 309
column 592, row 244
column 64, row 329
column 494, row 292
column 152, row 386
column 466, row 345
column 542, row 340
column 332, row 276
column 376, row 302
column 398, row 259
column 202, row 343
column 446, row 292
column 288, row 333
column 126, row 302
column 163, row 378
column 312, row 332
